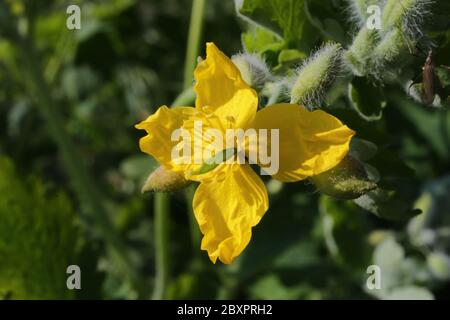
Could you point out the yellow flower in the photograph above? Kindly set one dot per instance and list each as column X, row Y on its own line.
column 232, row 198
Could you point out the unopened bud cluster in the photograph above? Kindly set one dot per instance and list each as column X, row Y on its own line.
column 373, row 52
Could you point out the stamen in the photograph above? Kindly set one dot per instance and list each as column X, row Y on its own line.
column 230, row 121
column 208, row 110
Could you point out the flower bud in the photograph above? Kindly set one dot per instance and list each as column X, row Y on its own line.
column 348, row 180
column 316, row 75
column 387, row 51
column 358, row 10
column 163, row 180
column 358, row 55
column 389, row 47
column 406, row 15
column 254, row 71
column 395, row 12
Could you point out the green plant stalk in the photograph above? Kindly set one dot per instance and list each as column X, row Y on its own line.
column 193, row 45
column 93, row 207
column 187, row 98
column 162, row 223
column 162, row 200
column 192, row 52
column 162, row 209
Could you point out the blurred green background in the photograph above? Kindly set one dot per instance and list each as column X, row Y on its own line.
column 71, row 171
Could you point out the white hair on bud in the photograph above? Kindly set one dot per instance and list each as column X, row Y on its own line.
column 335, row 68
column 258, row 69
column 415, row 17
column 356, row 10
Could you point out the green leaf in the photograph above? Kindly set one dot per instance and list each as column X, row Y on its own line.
column 387, row 205
column 38, row 239
column 264, row 43
column 300, row 255
column 260, row 40
column 443, row 75
column 285, row 17
column 425, row 118
column 324, row 17
column 290, row 56
column 366, row 100
column 362, row 149
column 394, row 198
column 345, row 229
column 271, row 287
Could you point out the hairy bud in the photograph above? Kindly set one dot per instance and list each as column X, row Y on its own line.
column 358, row 10
column 254, row 71
column 163, row 180
column 348, row 180
column 316, row 75
column 406, row 15
column 360, row 52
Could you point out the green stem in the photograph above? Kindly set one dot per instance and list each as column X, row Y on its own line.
column 162, row 201
column 162, row 222
column 162, row 209
column 193, row 46
column 186, row 98
column 195, row 31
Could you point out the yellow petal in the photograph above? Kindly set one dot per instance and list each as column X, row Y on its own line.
column 309, row 142
column 219, row 86
column 226, row 207
column 159, row 127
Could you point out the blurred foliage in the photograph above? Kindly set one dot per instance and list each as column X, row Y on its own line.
column 126, row 61
column 38, row 238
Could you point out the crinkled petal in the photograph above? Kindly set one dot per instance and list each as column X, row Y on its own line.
column 219, row 86
column 310, row 142
column 159, row 127
column 227, row 206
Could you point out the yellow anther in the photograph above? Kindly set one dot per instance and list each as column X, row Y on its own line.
column 231, row 120
column 207, row 109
